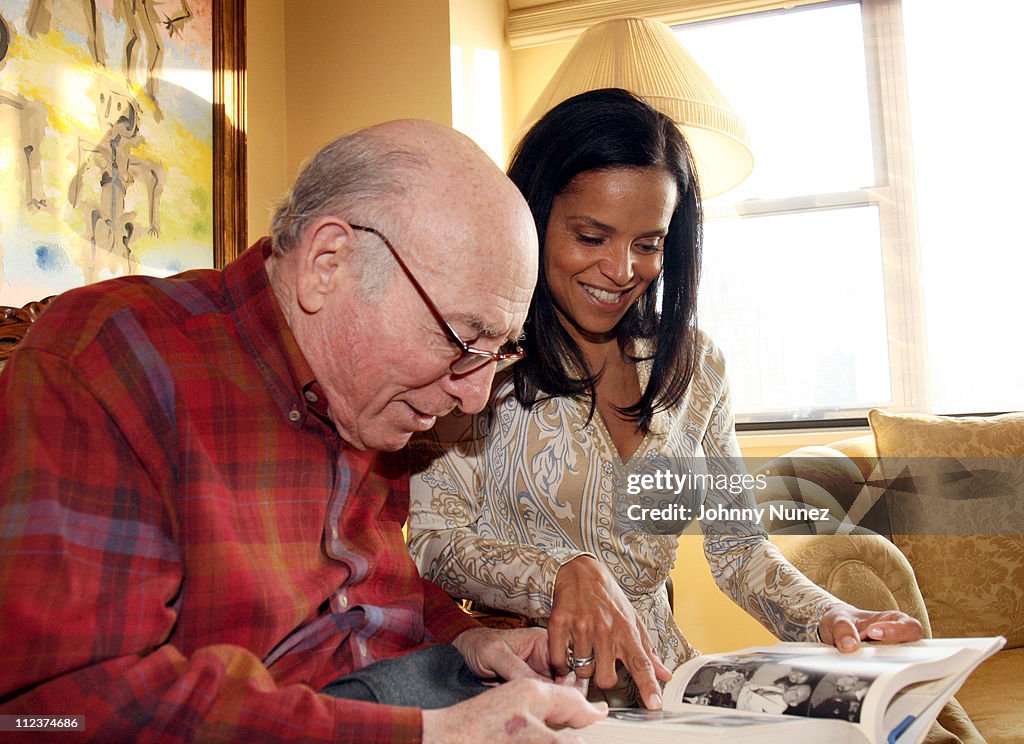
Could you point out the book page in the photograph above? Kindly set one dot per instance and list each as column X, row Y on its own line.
column 796, row 679
column 879, row 688
column 912, row 696
column 703, row 726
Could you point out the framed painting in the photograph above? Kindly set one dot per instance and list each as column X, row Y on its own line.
column 122, row 140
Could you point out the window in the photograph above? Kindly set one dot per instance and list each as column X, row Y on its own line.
column 869, row 259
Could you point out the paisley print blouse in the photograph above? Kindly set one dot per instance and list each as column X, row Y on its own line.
column 501, row 499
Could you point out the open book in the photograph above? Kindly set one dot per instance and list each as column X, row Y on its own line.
column 802, row 692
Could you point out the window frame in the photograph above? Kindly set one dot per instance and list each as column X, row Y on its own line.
column 892, row 195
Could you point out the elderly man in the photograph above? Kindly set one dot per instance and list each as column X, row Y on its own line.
column 198, row 534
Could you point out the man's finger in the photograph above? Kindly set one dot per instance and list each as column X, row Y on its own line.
column 571, row 680
column 507, row 665
column 564, row 708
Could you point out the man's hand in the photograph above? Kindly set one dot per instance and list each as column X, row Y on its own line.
column 844, row 627
column 521, row 653
column 518, row 711
column 591, row 614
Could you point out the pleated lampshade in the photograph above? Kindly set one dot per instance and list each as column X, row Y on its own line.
column 645, row 57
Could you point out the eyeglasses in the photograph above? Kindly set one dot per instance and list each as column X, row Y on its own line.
column 469, row 359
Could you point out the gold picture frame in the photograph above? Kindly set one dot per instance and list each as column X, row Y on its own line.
column 123, row 139
column 229, row 127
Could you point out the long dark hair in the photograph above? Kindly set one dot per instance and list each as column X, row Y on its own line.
column 597, row 130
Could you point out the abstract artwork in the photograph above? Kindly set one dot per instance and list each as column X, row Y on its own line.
column 106, row 141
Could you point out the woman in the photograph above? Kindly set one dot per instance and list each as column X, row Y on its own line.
column 525, row 507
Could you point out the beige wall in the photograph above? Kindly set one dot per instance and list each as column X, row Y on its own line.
column 318, row 68
column 351, row 64
column 267, row 103
column 710, row 620
column 531, row 69
column 482, row 104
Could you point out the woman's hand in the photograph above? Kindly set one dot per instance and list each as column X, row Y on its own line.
column 844, row 626
column 591, row 615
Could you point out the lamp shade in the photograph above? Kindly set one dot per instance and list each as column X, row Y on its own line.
column 645, row 57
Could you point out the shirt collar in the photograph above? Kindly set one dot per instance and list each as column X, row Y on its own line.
column 263, row 328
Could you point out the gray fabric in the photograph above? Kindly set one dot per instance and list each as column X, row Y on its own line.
column 433, row 677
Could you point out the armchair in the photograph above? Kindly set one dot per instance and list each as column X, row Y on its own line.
column 955, row 584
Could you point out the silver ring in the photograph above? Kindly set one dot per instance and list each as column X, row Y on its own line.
column 574, row 663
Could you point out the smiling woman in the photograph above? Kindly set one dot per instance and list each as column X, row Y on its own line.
column 604, row 247
column 605, row 148
column 602, row 251
column 526, row 507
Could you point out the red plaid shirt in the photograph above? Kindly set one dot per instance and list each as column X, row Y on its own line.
column 187, row 549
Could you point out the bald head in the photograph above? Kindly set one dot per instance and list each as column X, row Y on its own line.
column 355, row 173
column 468, row 240
column 455, row 166
column 460, row 215
column 390, row 171
column 402, row 176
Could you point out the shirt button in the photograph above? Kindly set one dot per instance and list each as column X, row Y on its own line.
column 362, row 648
column 342, row 601
column 294, row 415
column 311, row 396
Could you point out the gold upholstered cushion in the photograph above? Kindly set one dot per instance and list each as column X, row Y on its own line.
column 994, row 697
column 921, row 435
column 972, row 581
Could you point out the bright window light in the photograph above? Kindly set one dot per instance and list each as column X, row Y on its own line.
column 870, row 258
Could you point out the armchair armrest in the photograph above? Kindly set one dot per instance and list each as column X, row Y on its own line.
column 861, row 451
column 827, row 478
column 867, row 571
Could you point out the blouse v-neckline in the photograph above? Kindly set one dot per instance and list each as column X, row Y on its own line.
column 643, row 372
column 609, row 443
